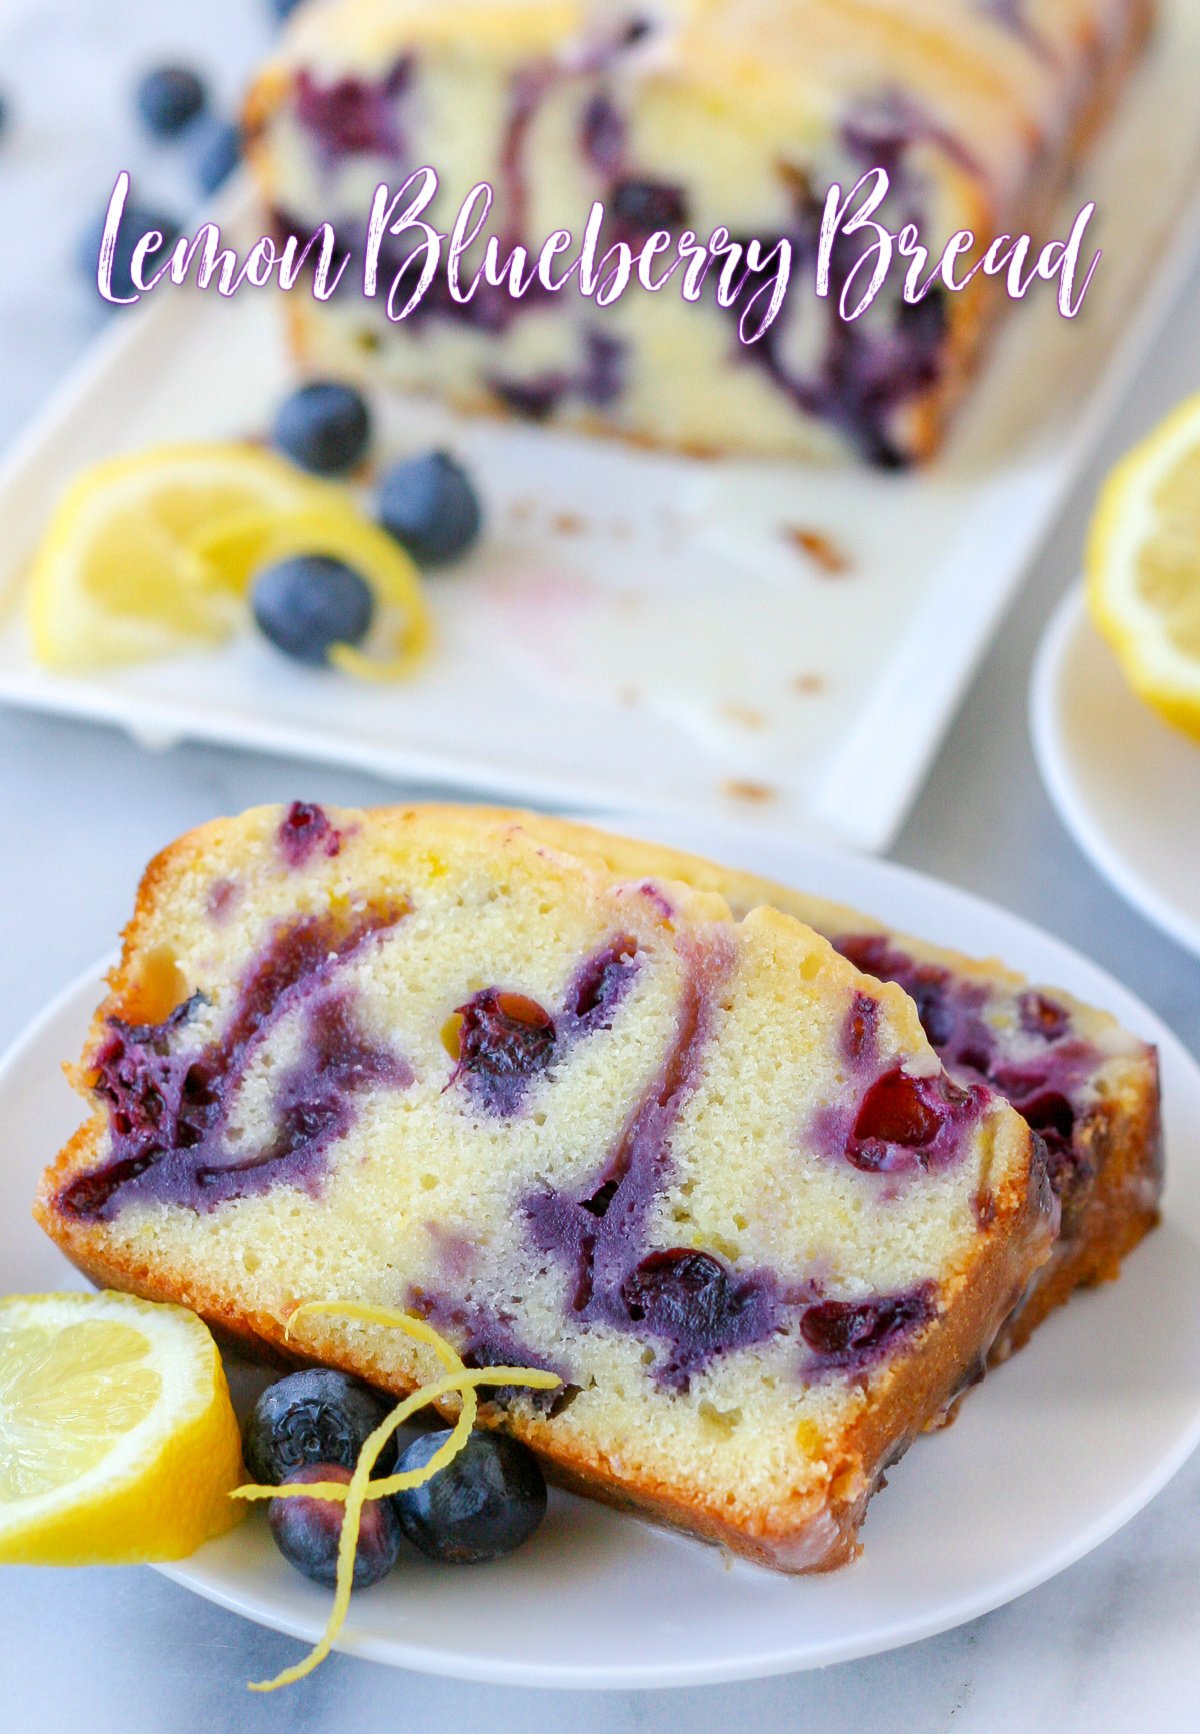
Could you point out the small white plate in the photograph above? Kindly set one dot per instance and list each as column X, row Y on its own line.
column 1056, row 1450
column 1126, row 785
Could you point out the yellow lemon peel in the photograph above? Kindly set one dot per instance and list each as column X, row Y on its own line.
column 238, row 547
column 419, row 1329
column 1142, row 567
column 360, row 1488
column 120, row 575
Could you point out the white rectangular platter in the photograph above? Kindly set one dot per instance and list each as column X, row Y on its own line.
column 643, row 630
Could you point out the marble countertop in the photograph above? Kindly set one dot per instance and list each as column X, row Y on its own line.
column 1110, row 1644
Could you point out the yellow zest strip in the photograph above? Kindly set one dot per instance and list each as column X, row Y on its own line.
column 350, row 660
column 326, row 522
column 361, row 1488
column 369, row 1315
column 420, row 1332
column 531, row 1378
column 356, row 1493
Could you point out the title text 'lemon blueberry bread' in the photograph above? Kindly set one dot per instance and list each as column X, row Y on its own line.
column 683, row 115
column 1088, row 1087
column 701, row 1167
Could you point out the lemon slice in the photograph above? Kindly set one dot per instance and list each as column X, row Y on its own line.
column 1143, row 567
column 118, row 577
column 118, row 1442
column 240, row 545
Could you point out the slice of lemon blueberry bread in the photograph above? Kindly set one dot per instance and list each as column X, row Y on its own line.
column 1089, row 1088
column 681, row 116
column 700, row 1166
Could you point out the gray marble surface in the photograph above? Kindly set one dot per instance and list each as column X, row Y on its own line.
column 1108, row 1645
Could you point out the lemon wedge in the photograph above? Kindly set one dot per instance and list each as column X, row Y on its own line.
column 118, row 1442
column 118, row 577
column 1143, row 567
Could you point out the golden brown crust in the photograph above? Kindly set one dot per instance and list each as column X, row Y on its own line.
column 1123, row 1140
column 1110, row 74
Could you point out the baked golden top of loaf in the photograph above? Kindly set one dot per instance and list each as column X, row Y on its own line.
column 700, row 1167
column 710, row 122
column 358, row 32
column 1001, row 73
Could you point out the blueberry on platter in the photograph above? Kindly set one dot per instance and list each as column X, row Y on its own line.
column 308, row 603
column 324, row 427
column 308, row 1531
column 487, row 1501
column 431, row 508
column 319, row 1416
column 168, row 98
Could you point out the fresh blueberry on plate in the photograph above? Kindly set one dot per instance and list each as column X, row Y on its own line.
column 324, row 427
column 168, row 98
column 308, row 603
column 318, row 1416
column 137, row 221
column 486, row 1502
column 308, row 1531
column 218, row 155
column 430, row 506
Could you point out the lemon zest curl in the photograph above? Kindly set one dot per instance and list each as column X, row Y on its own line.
column 360, row 1488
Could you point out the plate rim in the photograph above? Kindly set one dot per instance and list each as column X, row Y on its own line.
column 1052, row 755
column 898, row 1633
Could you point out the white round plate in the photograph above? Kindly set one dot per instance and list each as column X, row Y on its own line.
column 1052, row 1454
column 1126, row 784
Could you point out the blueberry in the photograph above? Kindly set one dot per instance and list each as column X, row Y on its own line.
column 484, row 1504
column 168, row 98
column 136, row 221
column 283, row 8
column 219, row 154
column 319, row 1416
column 900, row 1119
column 307, row 1531
column 649, row 205
column 429, row 505
column 310, row 602
column 3, row 114
column 324, row 427
column 505, row 1040
column 850, row 1333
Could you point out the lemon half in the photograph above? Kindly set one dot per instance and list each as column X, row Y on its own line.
column 118, row 577
column 1143, row 567
column 118, row 1441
